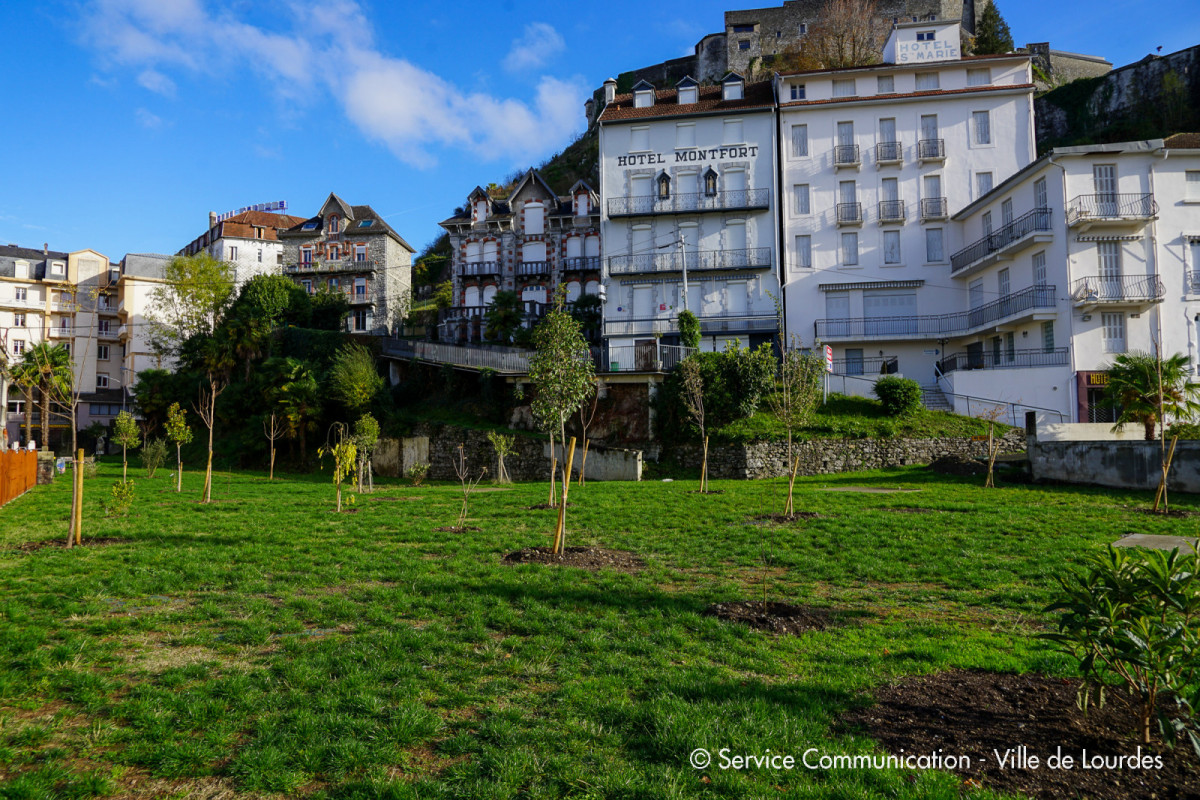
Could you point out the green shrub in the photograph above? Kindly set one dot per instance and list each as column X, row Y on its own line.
column 1184, row 430
column 416, row 473
column 899, row 396
column 689, row 329
column 120, row 499
column 1130, row 618
column 154, row 453
column 735, row 381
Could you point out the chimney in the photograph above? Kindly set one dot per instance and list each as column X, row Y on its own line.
column 212, row 219
column 610, row 90
column 45, row 248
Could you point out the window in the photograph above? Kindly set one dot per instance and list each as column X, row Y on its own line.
column 1004, row 284
column 887, row 131
column 1006, row 212
column 797, row 91
column 983, row 183
column 104, row 326
column 360, row 288
column 306, row 255
column 927, row 81
column 744, row 28
column 260, row 255
column 309, row 226
column 688, row 95
column 535, row 219
column 934, row 250
column 335, row 253
column 843, row 88
column 982, row 123
column 979, row 77
column 360, row 252
column 1039, row 268
column 1192, row 190
column 18, row 320
column 803, row 28
column 21, row 294
column 57, row 268
column 233, row 254
column 929, row 126
column 1047, row 337
column 733, row 131
column 18, row 347
column 975, row 293
column 1040, row 198
column 804, row 251
column 101, row 381
column 799, row 141
column 1114, row 332
column 360, row 319
column 800, row 197
column 924, row 36
column 102, row 352
column 987, row 223
column 1010, row 347
column 335, row 224
column 332, row 284
column 891, row 247
column 850, row 249
column 366, row 223
column 744, row 44
column 685, row 135
column 639, row 139
column 307, row 284
column 885, row 84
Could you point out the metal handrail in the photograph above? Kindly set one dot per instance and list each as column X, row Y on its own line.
column 533, row 268
column 339, row 265
column 849, row 213
column 934, row 208
column 1055, row 357
column 873, row 365
column 640, row 357
column 689, row 202
column 1032, row 222
column 474, row 269
column 581, row 263
column 931, row 148
column 694, row 259
column 889, row 151
column 991, row 405
column 938, row 324
column 1111, row 206
column 844, row 154
column 891, row 210
column 708, row 322
column 1116, row 289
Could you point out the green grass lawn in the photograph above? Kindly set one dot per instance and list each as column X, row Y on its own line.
column 265, row 646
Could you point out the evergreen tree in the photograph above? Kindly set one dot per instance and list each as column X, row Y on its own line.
column 992, row 34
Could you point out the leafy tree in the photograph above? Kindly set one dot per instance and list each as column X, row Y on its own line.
column 796, row 396
column 561, row 369
column 155, row 391
column 299, row 398
column 992, row 35
column 503, row 317
column 504, row 446
column 274, row 300
column 689, row 329
column 191, row 303
column 693, row 404
column 443, row 295
column 246, row 337
column 218, row 361
column 126, row 434
column 1134, row 383
column 330, row 308
column 154, row 452
column 354, row 380
column 341, row 447
column 846, row 33
column 366, row 439
column 180, row 433
column 48, row 367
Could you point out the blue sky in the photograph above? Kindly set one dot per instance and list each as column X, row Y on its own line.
column 130, row 120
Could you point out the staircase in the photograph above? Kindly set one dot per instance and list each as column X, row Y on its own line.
column 934, row 399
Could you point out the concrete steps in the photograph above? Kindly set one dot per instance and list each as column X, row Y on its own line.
column 934, row 399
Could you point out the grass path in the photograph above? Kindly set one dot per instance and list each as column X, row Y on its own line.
column 265, row 646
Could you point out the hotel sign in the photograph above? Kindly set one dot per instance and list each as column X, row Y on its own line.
column 688, row 156
column 922, row 52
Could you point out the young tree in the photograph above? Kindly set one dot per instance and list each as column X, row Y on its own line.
column 197, row 291
column 992, row 35
column 126, row 434
column 218, row 360
column 366, row 439
column 354, row 379
column 561, row 369
column 179, row 432
column 847, row 33
column 273, row 430
column 504, row 448
column 797, row 393
column 340, row 445
column 468, row 485
column 693, row 404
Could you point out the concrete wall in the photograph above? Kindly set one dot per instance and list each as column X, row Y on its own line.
column 826, row 456
column 1088, row 432
column 1122, row 465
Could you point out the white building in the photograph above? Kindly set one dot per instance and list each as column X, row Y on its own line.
column 1090, row 252
column 140, row 274
column 688, row 193
column 248, row 242
column 875, row 162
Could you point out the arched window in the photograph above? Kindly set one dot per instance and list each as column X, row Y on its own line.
column 664, row 186
column 710, row 182
column 335, row 224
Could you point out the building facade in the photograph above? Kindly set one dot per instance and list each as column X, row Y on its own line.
column 351, row 249
column 875, row 162
column 688, row 198
column 531, row 242
column 248, row 242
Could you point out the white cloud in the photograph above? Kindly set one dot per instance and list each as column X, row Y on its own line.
column 537, row 45
column 412, row 111
column 148, row 120
column 155, row 81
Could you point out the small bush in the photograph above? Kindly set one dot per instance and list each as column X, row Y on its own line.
column 154, row 453
column 900, row 396
column 1184, row 430
column 416, row 473
column 120, row 499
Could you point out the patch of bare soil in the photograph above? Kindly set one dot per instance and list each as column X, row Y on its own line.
column 780, row 618
column 958, row 465
column 456, row 529
column 1175, row 513
column 96, row 541
column 708, row 491
column 491, row 489
column 547, row 507
column 592, row 558
column 384, row 499
column 798, row 516
column 983, row 715
column 919, row 510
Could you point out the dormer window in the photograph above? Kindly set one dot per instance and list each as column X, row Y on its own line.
column 733, row 87
column 689, row 91
column 710, row 183
column 480, row 211
column 581, row 205
column 664, row 186
column 643, row 95
column 335, row 224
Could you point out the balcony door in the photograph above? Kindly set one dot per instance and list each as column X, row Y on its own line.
column 643, row 299
column 1104, row 178
column 735, row 189
column 1109, row 256
column 929, row 127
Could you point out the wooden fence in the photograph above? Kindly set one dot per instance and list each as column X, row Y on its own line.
column 18, row 473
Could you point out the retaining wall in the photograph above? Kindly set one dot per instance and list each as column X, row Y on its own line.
column 1119, row 464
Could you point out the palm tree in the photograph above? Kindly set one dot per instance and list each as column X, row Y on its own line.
column 50, row 368
column 503, row 317
column 1133, row 387
column 299, row 398
column 22, row 375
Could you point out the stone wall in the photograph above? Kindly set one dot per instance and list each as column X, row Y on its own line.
column 826, row 456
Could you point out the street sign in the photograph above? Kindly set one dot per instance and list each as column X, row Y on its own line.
column 828, row 358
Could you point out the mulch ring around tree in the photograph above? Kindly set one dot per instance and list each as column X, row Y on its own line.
column 97, row 541
column 706, row 491
column 591, row 558
column 798, row 516
column 975, row 713
column 546, row 507
column 780, row 618
column 958, row 465
column 456, row 529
